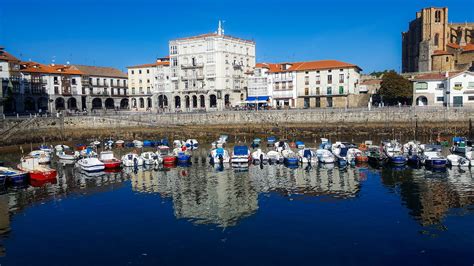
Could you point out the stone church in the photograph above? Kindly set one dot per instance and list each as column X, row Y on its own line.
column 434, row 44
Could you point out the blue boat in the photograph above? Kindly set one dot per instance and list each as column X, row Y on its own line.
column 397, row 159
column 148, row 143
column 271, row 141
column 164, row 142
column 256, row 143
column 414, row 159
column 129, row 145
column 432, row 157
column 13, row 177
column 299, row 144
column 393, row 150
column 183, row 157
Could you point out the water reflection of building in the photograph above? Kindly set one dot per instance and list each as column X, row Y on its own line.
column 315, row 181
column 201, row 194
column 4, row 221
column 430, row 196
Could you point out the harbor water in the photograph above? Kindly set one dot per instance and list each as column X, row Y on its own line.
column 267, row 215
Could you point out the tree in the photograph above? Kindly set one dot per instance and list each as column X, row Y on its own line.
column 395, row 88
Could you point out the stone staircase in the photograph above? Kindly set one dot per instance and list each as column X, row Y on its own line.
column 7, row 133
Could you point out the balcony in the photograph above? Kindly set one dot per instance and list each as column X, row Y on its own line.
column 191, row 66
column 198, row 77
column 283, row 94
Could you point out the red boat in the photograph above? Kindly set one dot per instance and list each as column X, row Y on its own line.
column 109, row 160
column 169, row 159
column 38, row 174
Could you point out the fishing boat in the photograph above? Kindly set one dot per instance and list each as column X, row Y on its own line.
column 458, row 160
column 61, row 147
column 132, row 160
column 240, row 156
column 354, row 155
column 365, row 146
column 43, row 157
column 80, row 147
column 339, row 150
column 12, row 176
column 192, row 144
column 461, row 145
column 394, row 153
column 271, row 141
column 219, row 156
column 38, row 174
column 167, row 157
column 88, row 152
column 413, row 151
column 109, row 160
column 281, row 145
column 259, row 157
column 108, row 144
column 119, row 143
column 289, row 157
column 256, row 142
column 432, row 157
column 325, row 156
column 149, row 158
column 46, row 148
column 95, row 144
column 67, row 156
column 299, row 144
column 129, row 144
column 90, row 164
column 274, row 157
column 178, row 143
column 376, row 156
column 307, row 155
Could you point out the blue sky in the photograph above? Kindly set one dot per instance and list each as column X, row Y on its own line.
column 122, row 33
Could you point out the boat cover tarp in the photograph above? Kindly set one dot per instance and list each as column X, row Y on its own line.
column 220, row 151
column 271, row 139
column 241, row 150
column 299, row 142
column 307, row 153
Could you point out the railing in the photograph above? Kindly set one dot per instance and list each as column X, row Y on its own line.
column 192, row 66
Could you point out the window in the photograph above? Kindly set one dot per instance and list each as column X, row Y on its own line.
column 438, row 16
column 174, row 49
column 329, row 101
column 329, row 91
column 458, row 86
column 55, row 80
column 148, row 71
column 447, row 59
column 436, row 39
column 440, row 99
column 470, row 98
column 139, row 71
column 133, row 72
column 318, row 91
column 318, row 79
column 73, row 81
column 329, row 79
column 341, row 78
column 318, row 102
column 306, row 102
column 306, row 80
column 1, row 69
column 441, row 86
column 306, row 91
column 341, row 89
column 421, row 86
column 470, row 85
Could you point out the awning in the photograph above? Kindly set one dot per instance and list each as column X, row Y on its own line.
column 257, row 98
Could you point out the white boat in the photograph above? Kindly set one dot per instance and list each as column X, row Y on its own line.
column 352, row 153
column 458, row 160
column 192, row 143
column 149, row 158
column 240, row 155
column 90, row 165
column 67, row 155
column 108, row 144
column 281, row 145
column 339, row 150
column 219, row 155
column 307, row 155
column 88, row 152
column 274, row 157
column 325, row 156
column 46, row 148
column 138, row 144
column 325, row 144
column 178, row 143
column 61, row 148
column 119, row 143
column 259, row 156
column 95, row 143
column 43, row 157
column 132, row 160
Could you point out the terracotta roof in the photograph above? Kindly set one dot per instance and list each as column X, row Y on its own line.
column 161, row 63
column 466, row 48
column 100, row 71
column 310, row 65
column 436, row 76
column 5, row 56
column 33, row 67
column 441, row 52
column 213, row 35
column 269, row 66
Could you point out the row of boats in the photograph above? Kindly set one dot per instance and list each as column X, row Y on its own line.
column 35, row 169
column 344, row 153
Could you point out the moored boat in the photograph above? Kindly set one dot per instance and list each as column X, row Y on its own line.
column 91, row 164
column 43, row 157
column 274, row 157
column 37, row 173
column 149, row 158
column 183, row 157
column 271, row 141
column 307, row 155
column 259, row 157
column 12, row 176
column 432, row 157
column 394, row 153
column 289, row 157
column 192, row 144
column 119, row 143
column 240, row 156
column 109, row 160
column 132, row 160
column 325, row 156
column 219, row 156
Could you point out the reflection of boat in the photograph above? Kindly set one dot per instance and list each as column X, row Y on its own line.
column 240, row 155
column 307, row 156
column 300, row 144
column 325, row 156
column 119, row 143
column 183, row 157
column 12, row 176
column 90, row 164
column 271, row 141
column 132, row 160
column 458, row 160
column 461, row 145
column 138, row 144
column 37, row 173
column 289, row 157
column 192, row 143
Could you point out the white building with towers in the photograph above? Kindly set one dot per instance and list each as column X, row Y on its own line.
column 207, row 72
